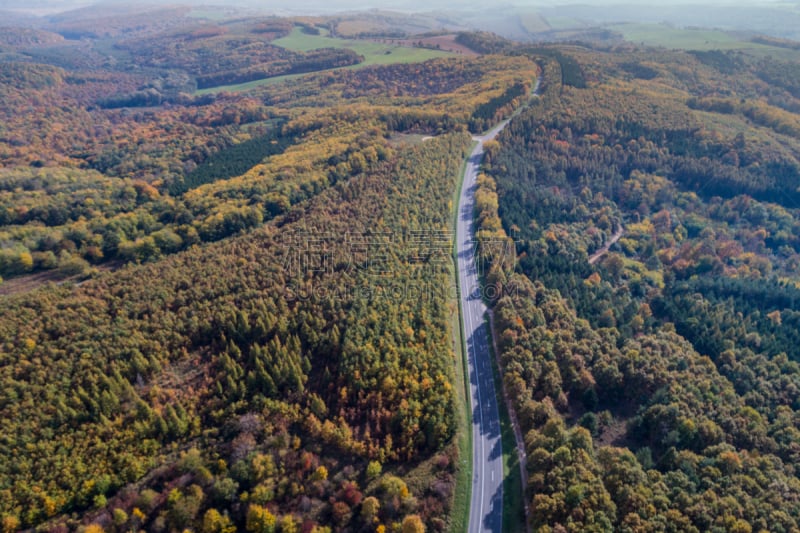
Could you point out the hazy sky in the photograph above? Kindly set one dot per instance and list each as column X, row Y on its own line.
column 389, row 4
column 779, row 18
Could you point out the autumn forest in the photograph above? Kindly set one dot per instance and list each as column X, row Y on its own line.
column 227, row 287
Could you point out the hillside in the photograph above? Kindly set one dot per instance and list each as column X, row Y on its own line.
column 251, row 326
column 658, row 387
column 227, row 299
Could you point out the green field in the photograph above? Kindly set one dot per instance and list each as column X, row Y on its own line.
column 564, row 23
column 698, row 39
column 374, row 54
column 534, row 23
column 687, row 39
column 239, row 87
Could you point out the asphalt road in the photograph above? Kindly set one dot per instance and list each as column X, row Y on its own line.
column 486, row 505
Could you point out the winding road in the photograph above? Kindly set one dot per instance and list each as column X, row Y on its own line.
column 486, row 505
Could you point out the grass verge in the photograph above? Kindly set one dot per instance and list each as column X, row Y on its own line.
column 463, row 490
column 513, row 491
column 461, row 498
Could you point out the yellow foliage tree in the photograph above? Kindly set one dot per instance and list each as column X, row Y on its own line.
column 413, row 524
column 259, row 520
column 10, row 523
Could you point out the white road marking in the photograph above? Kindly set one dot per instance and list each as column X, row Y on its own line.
column 475, row 331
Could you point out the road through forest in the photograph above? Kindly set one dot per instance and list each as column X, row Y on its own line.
column 486, row 503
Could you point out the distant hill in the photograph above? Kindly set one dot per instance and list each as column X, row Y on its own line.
column 24, row 37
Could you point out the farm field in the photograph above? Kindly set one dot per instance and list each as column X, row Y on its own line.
column 685, row 39
column 374, row 53
column 564, row 23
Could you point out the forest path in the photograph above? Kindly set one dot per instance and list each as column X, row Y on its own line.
column 595, row 257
